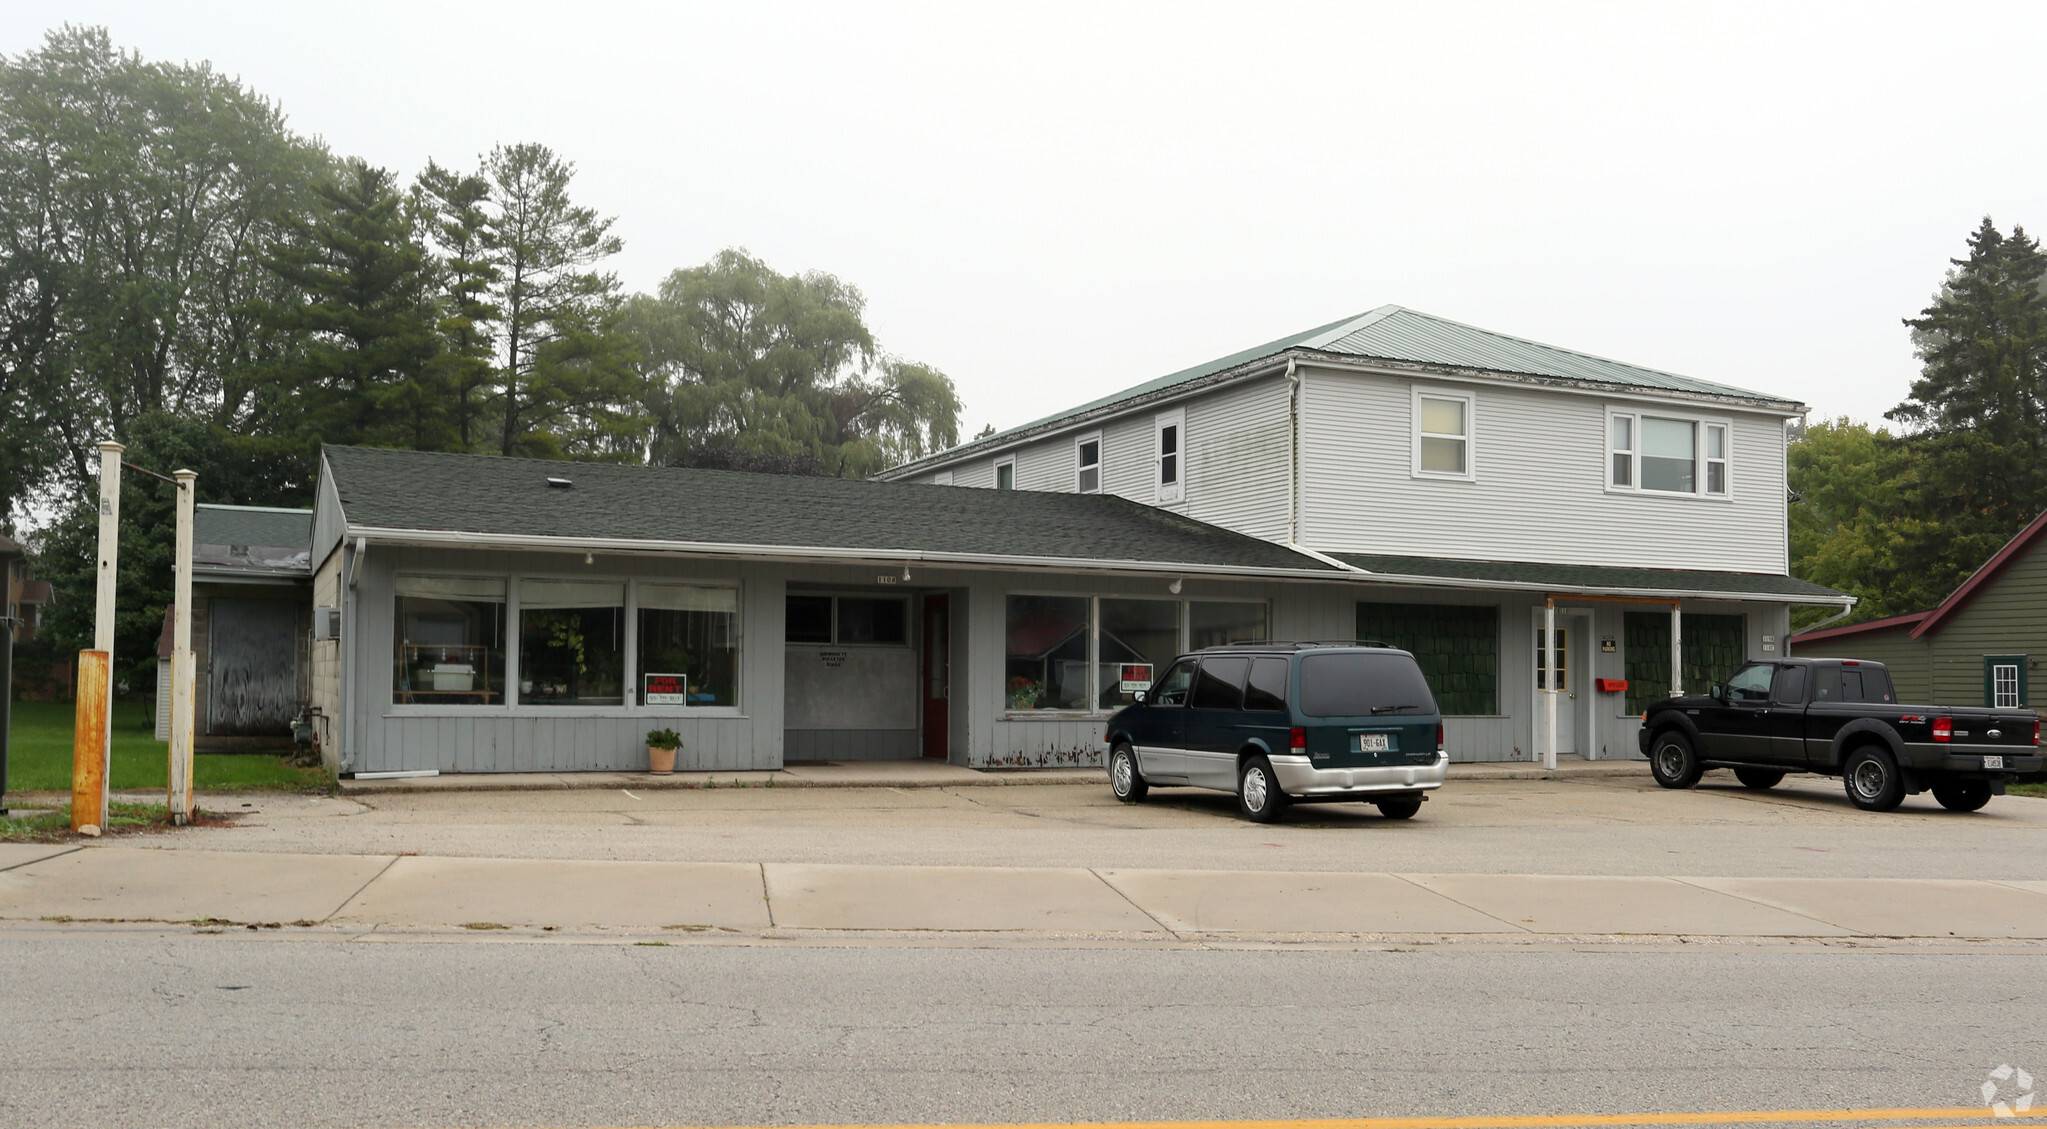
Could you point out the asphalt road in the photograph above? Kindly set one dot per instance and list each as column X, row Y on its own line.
column 116, row 1029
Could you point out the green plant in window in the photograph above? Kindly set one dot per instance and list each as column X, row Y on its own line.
column 565, row 634
column 1025, row 694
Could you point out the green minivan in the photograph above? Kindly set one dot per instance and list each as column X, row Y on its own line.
column 1279, row 723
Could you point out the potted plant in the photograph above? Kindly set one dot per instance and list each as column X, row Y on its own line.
column 661, row 746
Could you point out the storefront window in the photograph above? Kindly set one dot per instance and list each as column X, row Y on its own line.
column 1138, row 639
column 571, row 643
column 451, row 641
column 1047, row 653
column 1214, row 623
column 688, row 645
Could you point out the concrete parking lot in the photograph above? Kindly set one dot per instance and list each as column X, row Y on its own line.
column 1581, row 825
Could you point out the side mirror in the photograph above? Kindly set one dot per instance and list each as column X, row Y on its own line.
column 1140, row 696
column 1717, row 692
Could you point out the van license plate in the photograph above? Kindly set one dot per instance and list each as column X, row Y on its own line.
column 1374, row 742
column 1993, row 762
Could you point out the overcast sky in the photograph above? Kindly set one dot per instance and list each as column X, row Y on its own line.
column 1050, row 202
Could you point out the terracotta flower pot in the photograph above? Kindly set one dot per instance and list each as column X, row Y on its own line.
column 660, row 762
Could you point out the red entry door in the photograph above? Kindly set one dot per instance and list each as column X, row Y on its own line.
column 937, row 677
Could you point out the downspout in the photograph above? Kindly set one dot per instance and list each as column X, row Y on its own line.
column 1293, row 483
column 344, row 757
column 1842, row 614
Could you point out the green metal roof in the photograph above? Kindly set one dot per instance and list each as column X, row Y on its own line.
column 1396, row 333
column 1600, row 578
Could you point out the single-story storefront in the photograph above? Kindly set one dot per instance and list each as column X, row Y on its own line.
column 479, row 614
column 251, row 628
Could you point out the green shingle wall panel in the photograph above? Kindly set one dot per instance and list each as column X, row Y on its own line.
column 1714, row 645
column 1457, row 646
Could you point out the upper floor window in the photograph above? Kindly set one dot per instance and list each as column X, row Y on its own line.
column 1005, row 475
column 1168, row 456
column 1087, row 464
column 1442, row 434
column 1666, row 454
column 942, row 478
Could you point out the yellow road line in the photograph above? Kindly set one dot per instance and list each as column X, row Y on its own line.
column 1535, row 1121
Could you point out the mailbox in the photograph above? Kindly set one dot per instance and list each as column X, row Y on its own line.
column 1611, row 685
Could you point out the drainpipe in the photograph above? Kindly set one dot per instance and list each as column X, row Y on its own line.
column 1549, row 683
column 1842, row 614
column 1293, row 494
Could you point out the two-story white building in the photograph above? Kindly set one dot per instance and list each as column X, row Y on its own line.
column 1462, row 494
column 1476, row 487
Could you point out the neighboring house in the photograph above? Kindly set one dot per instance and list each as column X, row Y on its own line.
column 1980, row 645
column 1464, row 480
column 251, row 628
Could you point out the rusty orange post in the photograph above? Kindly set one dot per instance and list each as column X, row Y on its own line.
column 89, row 742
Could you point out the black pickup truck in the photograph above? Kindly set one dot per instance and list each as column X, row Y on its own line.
column 1839, row 717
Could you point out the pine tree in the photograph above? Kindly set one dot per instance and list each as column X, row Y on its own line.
column 366, row 372
column 451, row 209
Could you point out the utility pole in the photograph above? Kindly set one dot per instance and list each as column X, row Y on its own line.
column 91, row 747
column 180, row 797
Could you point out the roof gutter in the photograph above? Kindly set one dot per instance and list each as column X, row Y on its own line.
column 438, row 538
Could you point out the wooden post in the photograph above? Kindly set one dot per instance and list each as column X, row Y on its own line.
column 180, row 790
column 1677, row 649
column 89, row 742
column 103, row 610
column 1547, row 654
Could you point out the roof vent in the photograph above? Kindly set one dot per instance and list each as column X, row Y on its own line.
column 559, row 483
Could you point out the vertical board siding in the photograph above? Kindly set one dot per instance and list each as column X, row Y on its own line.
column 1540, row 488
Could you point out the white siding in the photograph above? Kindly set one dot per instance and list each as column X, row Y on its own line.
column 1539, row 493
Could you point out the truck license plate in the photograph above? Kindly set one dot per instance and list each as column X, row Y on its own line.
column 1993, row 762
column 1374, row 742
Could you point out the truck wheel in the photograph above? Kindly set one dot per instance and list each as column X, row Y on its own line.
column 1402, row 808
column 1672, row 761
column 1258, row 794
column 1760, row 779
column 1124, row 779
column 1873, row 780
column 1962, row 795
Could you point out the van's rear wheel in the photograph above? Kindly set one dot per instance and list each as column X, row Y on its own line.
column 1672, row 761
column 1402, row 808
column 1124, row 779
column 1760, row 779
column 1962, row 795
column 1258, row 794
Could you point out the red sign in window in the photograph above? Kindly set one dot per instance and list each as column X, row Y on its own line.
column 666, row 690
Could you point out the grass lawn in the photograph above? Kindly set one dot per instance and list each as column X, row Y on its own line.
column 2029, row 789
column 39, row 756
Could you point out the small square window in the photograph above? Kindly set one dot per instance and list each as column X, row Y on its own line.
column 1088, row 465
column 1442, row 445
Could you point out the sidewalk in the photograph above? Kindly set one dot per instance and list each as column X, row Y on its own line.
column 353, row 894
column 889, row 774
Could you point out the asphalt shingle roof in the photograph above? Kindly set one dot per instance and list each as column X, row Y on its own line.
column 413, row 490
column 1396, row 333
column 1596, row 577
column 249, row 525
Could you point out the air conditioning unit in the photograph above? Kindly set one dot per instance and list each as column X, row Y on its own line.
column 326, row 623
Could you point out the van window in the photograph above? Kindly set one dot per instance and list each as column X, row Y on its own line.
column 1220, row 686
column 1356, row 683
column 1172, row 689
column 1267, row 688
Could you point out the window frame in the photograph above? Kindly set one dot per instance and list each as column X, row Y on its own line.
column 1094, row 612
column 1080, row 468
column 1702, row 463
column 1010, row 463
column 1416, row 394
column 1175, row 490
column 2018, row 665
column 911, row 624
column 942, row 478
column 513, row 707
